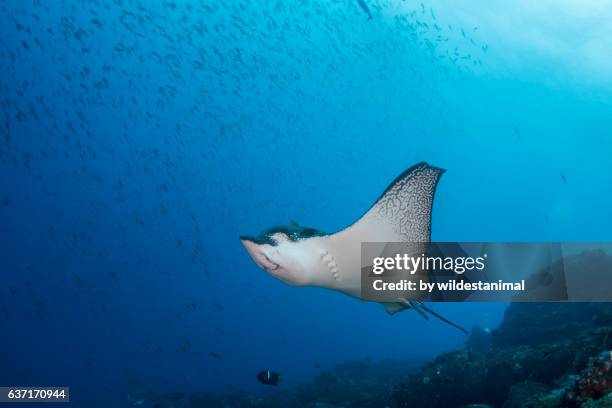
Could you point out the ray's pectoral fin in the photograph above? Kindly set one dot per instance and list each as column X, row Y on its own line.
column 403, row 212
column 393, row 307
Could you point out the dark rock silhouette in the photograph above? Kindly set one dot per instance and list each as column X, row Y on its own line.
column 543, row 355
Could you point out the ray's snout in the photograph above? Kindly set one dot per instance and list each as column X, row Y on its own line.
column 258, row 255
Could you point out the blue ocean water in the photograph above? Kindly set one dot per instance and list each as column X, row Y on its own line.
column 139, row 140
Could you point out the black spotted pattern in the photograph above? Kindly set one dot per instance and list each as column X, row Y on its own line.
column 408, row 201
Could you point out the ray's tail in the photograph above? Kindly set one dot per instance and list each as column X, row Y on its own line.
column 421, row 308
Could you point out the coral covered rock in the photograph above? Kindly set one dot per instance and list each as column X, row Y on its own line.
column 451, row 380
column 593, row 383
column 537, row 374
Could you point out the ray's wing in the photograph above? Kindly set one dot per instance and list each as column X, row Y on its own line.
column 403, row 212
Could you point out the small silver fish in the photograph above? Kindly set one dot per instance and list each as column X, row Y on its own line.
column 365, row 8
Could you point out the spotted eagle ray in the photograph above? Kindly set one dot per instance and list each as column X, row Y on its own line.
column 303, row 256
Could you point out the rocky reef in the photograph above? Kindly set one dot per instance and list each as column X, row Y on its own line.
column 356, row 384
column 542, row 355
column 593, row 384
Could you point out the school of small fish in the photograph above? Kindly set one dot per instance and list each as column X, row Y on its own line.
column 120, row 114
